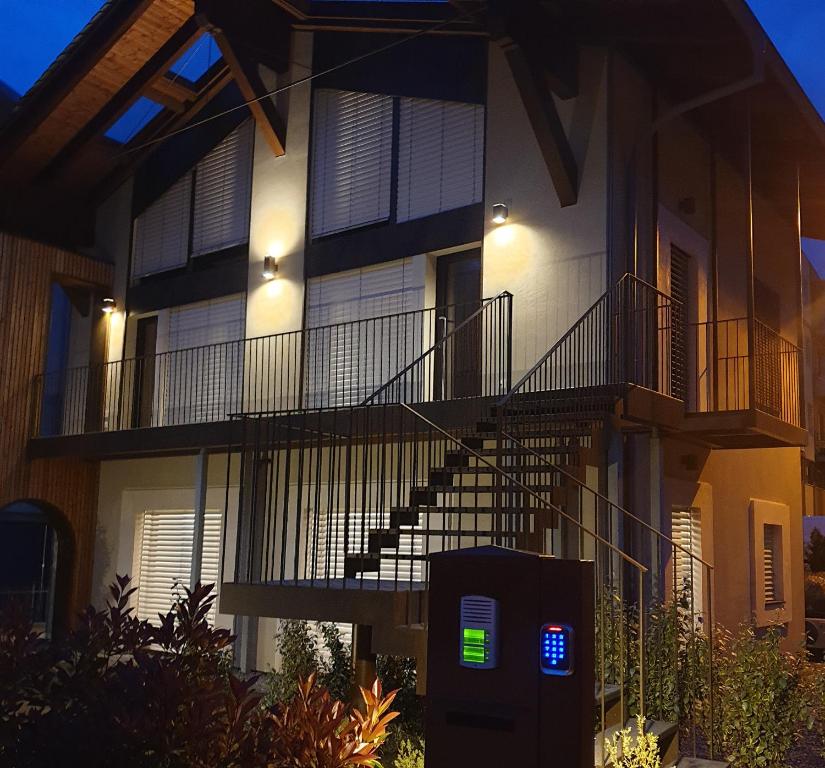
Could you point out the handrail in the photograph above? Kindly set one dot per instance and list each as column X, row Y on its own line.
column 542, row 360
column 627, row 277
column 441, row 342
column 612, row 547
column 604, row 498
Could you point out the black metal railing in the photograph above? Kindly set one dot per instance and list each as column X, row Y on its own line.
column 474, row 359
column 325, row 367
column 728, row 373
column 626, row 337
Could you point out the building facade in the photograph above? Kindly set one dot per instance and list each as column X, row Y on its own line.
column 515, row 280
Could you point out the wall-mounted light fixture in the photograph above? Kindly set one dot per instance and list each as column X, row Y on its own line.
column 108, row 305
column 270, row 271
column 500, row 213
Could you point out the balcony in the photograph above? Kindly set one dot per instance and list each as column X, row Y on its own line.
column 185, row 399
column 740, row 394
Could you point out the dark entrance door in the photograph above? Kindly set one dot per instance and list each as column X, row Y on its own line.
column 143, row 392
column 458, row 290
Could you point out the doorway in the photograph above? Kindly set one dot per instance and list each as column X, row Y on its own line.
column 458, row 292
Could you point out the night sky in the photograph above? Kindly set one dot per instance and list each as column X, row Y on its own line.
column 33, row 32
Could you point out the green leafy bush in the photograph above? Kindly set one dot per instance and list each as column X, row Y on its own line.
column 761, row 705
column 302, row 655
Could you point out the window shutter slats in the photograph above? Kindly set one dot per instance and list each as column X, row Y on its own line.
column 686, row 531
column 161, row 236
column 440, row 157
column 205, row 384
column 166, row 558
column 769, row 564
column 352, row 160
column 348, row 363
column 223, row 181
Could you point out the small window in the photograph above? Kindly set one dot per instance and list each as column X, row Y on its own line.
column 165, row 539
column 772, row 565
column 686, row 531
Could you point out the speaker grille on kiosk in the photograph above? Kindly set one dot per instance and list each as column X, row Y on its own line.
column 478, row 639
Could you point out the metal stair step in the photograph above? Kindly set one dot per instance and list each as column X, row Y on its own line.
column 428, row 495
column 370, row 562
column 412, row 516
column 383, row 535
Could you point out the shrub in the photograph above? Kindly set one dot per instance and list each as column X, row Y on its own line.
column 315, row 731
column 409, row 755
column 399, row 673
column 119, row 691
column 813, row 682
column 761, row 704
column 626, row 750
column 299, row 645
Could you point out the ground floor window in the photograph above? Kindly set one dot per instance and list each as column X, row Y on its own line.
column 164, row 545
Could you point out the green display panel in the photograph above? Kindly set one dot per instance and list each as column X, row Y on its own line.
column 475, row 647
column 478, row 645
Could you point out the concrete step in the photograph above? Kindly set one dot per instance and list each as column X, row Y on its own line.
column 698, row 762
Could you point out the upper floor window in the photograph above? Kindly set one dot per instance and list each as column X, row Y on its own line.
column 379, row 158
column 205, row 211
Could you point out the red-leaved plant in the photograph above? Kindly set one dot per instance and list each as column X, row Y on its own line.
column 123, row 692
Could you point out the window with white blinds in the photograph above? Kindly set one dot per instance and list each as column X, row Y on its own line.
column 440, row 157
column 165, row 546
column 204, row 371
column 686, row 531
column 161, row 232
column 351, row 160
column 347, row 363
column 223, row 188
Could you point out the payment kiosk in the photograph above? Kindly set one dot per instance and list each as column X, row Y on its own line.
column 510, row 660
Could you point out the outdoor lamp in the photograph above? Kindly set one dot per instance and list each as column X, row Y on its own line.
column 270, row 268
column 500, row 213
column 108, row 305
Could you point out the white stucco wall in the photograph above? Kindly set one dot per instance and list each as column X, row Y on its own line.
column 552, row 259
column 278, row 216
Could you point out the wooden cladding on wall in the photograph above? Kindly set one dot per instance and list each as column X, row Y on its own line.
column 27, row 271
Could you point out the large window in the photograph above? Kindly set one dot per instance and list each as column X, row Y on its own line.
column 349, row 357
column 379, row 158
column 204, row 370
column 164, row 562
column 205, row 211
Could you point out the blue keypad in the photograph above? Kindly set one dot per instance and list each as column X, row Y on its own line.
column 556, row 649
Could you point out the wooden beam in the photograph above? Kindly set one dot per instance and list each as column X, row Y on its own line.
column 74, row 64
column 547, row 126
column 125, row 97
column 255, row 32
column 245, row 74
column 171, row 93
